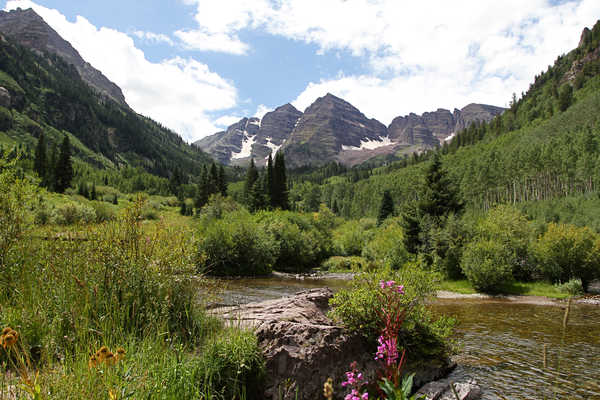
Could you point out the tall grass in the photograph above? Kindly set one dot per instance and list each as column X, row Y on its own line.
column 115, row 284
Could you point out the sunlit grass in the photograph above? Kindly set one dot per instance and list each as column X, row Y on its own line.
column 544, row 289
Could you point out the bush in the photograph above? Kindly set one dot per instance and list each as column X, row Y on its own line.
column 73, row 213
column 573, row 287
column 6, row 119
column 350, row 238
column 334, row 264
column 386, row 247
column 303, row 241
column 236, row 245
column 566, row 252
column 421, row 335
column 104, row 212
column 487, row 264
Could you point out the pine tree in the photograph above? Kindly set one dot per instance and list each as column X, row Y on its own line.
column 214, row 179
column 412, row 228
column 93, row 195
column 439, row 197
column 334, row 207
column 251, row 178
column 280, row 192
column 63, row 174
column 222, row 181
column 51, row 177
column 40, row 163
column 269, row 182
column 565, row 97
column 387, row 207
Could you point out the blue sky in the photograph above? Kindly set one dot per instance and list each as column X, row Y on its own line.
column 198, row 65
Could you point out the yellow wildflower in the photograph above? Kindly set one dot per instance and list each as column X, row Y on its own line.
column 93, row 363
column 120, row 353
column 110, row 359
column 102, row 352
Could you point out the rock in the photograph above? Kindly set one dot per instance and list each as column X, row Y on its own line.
column 267, row 134
column 303, row 347
column 441, row 390
column 5, row 99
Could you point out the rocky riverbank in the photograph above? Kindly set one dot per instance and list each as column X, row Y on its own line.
column 303, row 347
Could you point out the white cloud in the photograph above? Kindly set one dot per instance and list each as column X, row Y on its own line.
column 154, row 37
column 226, row 121
column 422, row 54
column 261, row 110
column 180, row 93
column 211, row 41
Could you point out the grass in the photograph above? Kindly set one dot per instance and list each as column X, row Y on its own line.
column 123, row 283
column 544, row 289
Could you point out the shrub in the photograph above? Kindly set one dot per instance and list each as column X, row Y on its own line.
column 350, row 238
column 104, row 212
column 73, row 213
column 386, row 247
column 566, row 252
column 487, row 264
column 236, row 245
column 422, row 335
column 6, row 119
column 334, row 264
column 573, row 287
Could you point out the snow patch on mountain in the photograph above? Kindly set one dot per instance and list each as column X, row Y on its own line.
column 246, row 151
column 368, row 144
column 274, row 148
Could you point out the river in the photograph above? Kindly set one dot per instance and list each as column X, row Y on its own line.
column 501, row 343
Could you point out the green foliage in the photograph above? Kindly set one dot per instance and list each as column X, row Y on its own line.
column 236, row 245
column 6, row 119
column 573, row 287
column 400, row 393
column 386, row 208
column 232, row 367
column 63, row 171
column 350, row 238
column 421, row 335
column 488, row 264
column 565, row 97
column 302, row 243
column 345, row 264
column 566, row 252
column 73, row 213
column 386, row 246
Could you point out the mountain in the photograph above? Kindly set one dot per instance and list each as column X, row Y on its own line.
column 252, row 137
column 27, row 28
column 41, row 90
column 331, row 129
column 433, row 128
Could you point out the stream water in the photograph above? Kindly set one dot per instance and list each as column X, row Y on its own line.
column 501, row 343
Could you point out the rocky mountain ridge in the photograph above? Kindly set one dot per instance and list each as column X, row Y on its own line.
column 28, row 29
column 331, row 129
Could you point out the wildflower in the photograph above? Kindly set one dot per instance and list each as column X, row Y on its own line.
column 93, row 362
column 400, row 289
column 6, row 330
column 9, row 340
column 110, row 359
column 328, row 389
column 120, row 353
column 102, row 353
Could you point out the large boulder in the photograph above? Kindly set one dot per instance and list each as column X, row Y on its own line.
column 303, row 347
column 442, row 390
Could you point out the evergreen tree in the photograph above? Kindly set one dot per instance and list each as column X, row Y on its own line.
column 222, row 181
column 115, row 199
column 269, row 181
column 175, row 183
column 40, row 163
column 63, row 172
column 280, row 191
column 439, row 198
column 82, row 190
column 387, row 207
column 258, row 199
column 93, row 195
column 52, row 167
column 412, row 228
column 565, row 97
column 251, row 178
column 214, row 179
column 334, row 207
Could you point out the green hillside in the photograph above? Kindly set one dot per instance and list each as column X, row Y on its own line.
column 47, row 95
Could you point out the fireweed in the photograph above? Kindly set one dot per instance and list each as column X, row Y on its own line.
column 392, row 313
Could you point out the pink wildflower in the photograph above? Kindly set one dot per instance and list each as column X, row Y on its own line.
column 401, row 289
